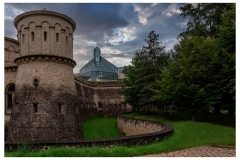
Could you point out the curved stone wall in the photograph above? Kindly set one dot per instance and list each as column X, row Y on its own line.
column 11, row 52
column 130, row 127
column 162, row 132
column 54, row 117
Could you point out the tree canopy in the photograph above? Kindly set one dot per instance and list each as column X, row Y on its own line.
column 200, row 71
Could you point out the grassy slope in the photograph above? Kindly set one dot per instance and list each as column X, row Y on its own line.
column 100, row 127
column 186, row 134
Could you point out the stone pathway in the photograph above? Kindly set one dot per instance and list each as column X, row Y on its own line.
column 206, row 151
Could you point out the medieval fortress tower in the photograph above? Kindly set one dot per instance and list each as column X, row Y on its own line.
column 43, row 99
column 45, row 93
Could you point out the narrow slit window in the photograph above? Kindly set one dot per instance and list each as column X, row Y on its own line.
column 77, row 110
column 23, row 38
column 60, row 108
column 32, row 36
column 35, row 107
column 45, row 36
column 57, row 37
column 66, row 40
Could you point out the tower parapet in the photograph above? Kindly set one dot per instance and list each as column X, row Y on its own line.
column 45, row 32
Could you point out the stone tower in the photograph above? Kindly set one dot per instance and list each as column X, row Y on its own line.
column 45, row 101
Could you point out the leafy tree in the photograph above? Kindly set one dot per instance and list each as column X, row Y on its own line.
column 226, row 30
column 203, row 18
column 202, row 72
column 226, row 33
column 189, row 82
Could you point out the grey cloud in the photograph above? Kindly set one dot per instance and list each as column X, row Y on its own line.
column 94, row 21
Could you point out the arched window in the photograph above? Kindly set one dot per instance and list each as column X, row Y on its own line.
column 9, row 96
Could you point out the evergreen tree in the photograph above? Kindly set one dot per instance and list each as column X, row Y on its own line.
column 143, row 74
column 130, row 91
column 152, row 59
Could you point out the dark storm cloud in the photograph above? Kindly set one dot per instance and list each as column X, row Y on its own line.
column 118, row 29
column 93, row 20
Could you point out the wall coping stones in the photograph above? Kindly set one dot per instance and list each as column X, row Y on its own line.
column 12, row 40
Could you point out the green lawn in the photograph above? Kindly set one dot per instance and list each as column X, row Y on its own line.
column 100, row 127
column 186, row 134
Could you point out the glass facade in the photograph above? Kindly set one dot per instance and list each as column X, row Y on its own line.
column 97, row 56
column 99, row 69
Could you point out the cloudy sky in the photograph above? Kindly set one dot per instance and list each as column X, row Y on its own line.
column 118, row 29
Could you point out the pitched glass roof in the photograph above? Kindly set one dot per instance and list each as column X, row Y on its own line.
column 103, row 65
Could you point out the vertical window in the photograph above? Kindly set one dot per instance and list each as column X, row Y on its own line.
column 66, row 40
column 35, row 107
column 10, row 95
column 32, row 36
column 57, row 37
column 60, row 108
column 45, row 36
column 23, row 38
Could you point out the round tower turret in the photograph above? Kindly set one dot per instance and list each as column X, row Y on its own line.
column 45, row 102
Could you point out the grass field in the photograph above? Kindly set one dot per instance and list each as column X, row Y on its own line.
column 100, row 127
column 214, row 130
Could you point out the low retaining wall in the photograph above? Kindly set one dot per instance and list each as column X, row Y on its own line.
column 164, row 131
column 129, row 126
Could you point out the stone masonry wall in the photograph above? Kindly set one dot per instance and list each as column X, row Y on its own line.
column 52, row 76
column 130, row 127
column 9, row 78
column 51, row 23
column 55, row 97
column 11, row 52
column 100, row 100
column 11, row 49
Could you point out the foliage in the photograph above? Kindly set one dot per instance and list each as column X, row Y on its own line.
column 143, row 73
column 131, row 92
column 202, row 71
column 24, row 148
column 189, row 83
column 227, row 43
column 203, row 18
column 148, row 71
